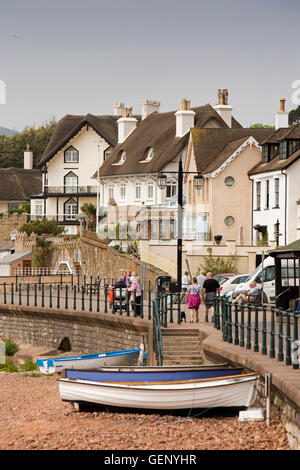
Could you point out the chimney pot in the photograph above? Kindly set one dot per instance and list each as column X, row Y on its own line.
column 282, row 105
column 149, row 107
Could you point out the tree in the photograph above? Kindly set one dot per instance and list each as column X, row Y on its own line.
column 12, row 147
column 90, row 210
column 258, row 125
column 45, row 248
column 218, row 264
column 294, row 116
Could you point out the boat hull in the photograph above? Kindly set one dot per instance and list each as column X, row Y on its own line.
column 91, row 361
column 209, row 393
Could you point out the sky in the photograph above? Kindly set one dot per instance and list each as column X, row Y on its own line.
column 77, row 57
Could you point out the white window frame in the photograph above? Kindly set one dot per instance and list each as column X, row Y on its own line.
column 138, row 191
column 150, row 189
column 123, row 192
column 71, row 155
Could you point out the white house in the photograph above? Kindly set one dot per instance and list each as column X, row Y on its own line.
column 276, row 190
column 78, row 146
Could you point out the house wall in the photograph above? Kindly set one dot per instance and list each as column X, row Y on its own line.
column 86, row 142
column 293, row 209
column 269, row 217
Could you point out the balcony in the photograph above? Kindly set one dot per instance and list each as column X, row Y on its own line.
column 69, row 190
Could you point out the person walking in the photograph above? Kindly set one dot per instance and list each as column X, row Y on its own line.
column 201, row 279
column 194, row 300
column 209, row 291
column 136, row 294
column 185, row 281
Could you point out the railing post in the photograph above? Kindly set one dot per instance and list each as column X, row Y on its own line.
column 82, row 297
column 179, row 308
column 280, row 336
column 256, row 346
column 248, row 344
column 149, row 304
column 229, row 336
column 20, row 294
column 217, row 301
column 12, row 293
column 50, row 296
column 295, row 340
column 224, row 320
column 98, row 298
column 27, row 289
column 4, row 293
column 288, row 339
column 43, row 295
column 272, row 333
column 66, row 297
column 242, row 328
column 74, row 298
column 105, row 298
column 35, row 294
column 58, row 296
column 236, row 325
column 169, row 296
column 91, row 299
column 142, row 303
column 264, row 331
column 120, row 302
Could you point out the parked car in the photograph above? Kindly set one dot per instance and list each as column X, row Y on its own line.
column 264, row 276
column 221, row 278
column 228, row 287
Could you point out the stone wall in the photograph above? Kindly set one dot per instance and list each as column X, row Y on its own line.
column 9, row 223
column 87, row 332
column 98, row 259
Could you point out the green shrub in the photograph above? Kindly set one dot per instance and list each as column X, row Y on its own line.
column 10, row 366
column 11, row 348
column 29, row 365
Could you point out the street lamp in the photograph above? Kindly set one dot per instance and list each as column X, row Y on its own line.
column 276, row 232
column 198, row 184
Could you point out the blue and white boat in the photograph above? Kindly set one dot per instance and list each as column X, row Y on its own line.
column 91, row 361
column 152, row 374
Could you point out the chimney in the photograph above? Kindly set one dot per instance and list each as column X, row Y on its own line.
column 282, row 117
column 223, row 108
column 149, row 107
column 118, row 108
column 126, row 124
column 28, row 158
column 184, row 118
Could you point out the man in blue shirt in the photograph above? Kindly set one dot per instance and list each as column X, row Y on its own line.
column 252, row 294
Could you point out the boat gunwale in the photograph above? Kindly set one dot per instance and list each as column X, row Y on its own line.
column 142, row 385
column 89, row 356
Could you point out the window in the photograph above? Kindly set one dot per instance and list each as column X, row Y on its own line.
column 267, row 194
column 276, row 188
column 274, row 149
column 123, row 192
column 150, row 191
column 229, row 181
column 122, row 157
column 283, row 150
column 110, row 192
column 12, row 206
column 138, row 191
column 71, row 155
column 258, row 195
column 71, row 182
column 265, row 153
column 107, row 153
column 38, row 208
column 171, row 189
column 71, row 210
column 229, row 221
column 293, row 146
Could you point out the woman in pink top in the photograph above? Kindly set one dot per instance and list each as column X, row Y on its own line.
column 136, row 294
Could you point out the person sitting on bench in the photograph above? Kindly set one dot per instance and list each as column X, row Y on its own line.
column 252, row 294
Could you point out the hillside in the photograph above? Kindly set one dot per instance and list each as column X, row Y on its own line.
column 6, row 131
column 12, row 147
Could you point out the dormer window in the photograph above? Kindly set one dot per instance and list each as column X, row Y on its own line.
column 149, row 154
column 122, row 157
column 107, row 153
column 294, row 145
column 71, row 155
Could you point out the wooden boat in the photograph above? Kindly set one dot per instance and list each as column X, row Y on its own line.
column 237, row 391
column 152, row 374
column 90, row 361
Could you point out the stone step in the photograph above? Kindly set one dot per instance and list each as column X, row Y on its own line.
column 179, row 332
column 175, row 362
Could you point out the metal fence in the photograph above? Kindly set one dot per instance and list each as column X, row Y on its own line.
column 263, row 329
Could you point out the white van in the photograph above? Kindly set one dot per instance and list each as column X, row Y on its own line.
column 264, row 276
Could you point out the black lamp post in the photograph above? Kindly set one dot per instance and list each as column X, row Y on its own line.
column 276, row 232
column 198, row 184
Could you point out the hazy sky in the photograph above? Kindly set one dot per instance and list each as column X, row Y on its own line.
column 77, row 57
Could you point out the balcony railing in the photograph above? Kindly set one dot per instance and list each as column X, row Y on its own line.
column 70, row 189
column 57, row 217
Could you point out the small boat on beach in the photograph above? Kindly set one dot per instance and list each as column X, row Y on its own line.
column 231, row 391
column 153, row 374
column 91, row 361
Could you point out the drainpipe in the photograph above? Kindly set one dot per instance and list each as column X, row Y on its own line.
column 285, row 205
